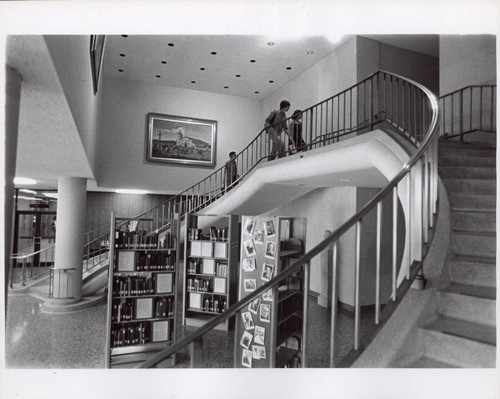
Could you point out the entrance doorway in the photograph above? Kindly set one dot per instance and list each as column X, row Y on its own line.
column 34, row 231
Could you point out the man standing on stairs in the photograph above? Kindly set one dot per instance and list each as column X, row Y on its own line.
column 275, row 123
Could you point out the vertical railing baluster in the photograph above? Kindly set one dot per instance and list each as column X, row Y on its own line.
column 356, row 287
column 461, row 94
column 377, row 263
column 333, row 319
column 305, row 313
column 394, row 239
column 481, row 108
column 409, row 224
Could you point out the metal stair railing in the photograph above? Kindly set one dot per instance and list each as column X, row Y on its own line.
column 468, row 110
column 413, row 110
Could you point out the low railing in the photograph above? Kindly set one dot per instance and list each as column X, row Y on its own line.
column 467, row 110
column 413, row 111
column 34, row 266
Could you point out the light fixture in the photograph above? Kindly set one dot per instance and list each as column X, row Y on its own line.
column 50, row 194
column 130, row 191
column 25, row 190
column 25, row 180
column 270, row 43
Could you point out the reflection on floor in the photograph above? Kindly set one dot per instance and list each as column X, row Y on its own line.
column 35, row 340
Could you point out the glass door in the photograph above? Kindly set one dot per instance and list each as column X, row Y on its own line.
column 35, row 231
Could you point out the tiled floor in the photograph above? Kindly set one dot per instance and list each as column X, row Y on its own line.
column 35, row 340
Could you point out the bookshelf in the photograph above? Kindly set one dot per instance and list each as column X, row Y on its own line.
column 268, row 332
column 211, row 267
column 142, row 298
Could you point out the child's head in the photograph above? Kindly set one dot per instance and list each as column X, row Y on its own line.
column 285, row 104
column 297, row 114
column 232, row 154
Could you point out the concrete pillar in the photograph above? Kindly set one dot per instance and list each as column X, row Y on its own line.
column 13, row 96
column 71, row 205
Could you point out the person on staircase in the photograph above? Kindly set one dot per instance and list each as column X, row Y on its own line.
column 296, row 129
column 275, row 124
column 230, row 172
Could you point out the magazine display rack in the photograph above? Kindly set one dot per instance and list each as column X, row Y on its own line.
column 142, row 299
column 268, row 332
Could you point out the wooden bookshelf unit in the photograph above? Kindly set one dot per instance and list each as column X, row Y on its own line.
column 211, row 267
column 142, row 299
column 268, row 332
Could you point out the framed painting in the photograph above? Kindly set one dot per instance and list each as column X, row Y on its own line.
column 96, row 55
column 181, row 140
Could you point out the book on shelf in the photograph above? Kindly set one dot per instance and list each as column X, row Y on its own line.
column 195, row 248
column 220, row 250
column 164, row 283
column 220, row 285
column 144, row 308
column 195, row 300
column 161, row 331
column 208, row 266
column 126, row 261
column 207, row 248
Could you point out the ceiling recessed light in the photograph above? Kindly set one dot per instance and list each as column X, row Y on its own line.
column 164, row 62
column 158, row 76
column 124, row 35
column 271, row 81
column 252, row 60
column 238, row 76
column 288, row 68
column 270, row 43
column 120, row 70
column 226, row 87
column 130, row 191
column 256, row 92
column 171, row 44
column 122, row 55
column 202, row 69
column 309, row 52
column 24, row 180
column 214, row 53
column 193, row 81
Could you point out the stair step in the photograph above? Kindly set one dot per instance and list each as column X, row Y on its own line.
column 472, row 202
column 480, row 271
column 467, row 172
column 476, row 309
column 473, row 243
column 467, row 161
column 457, row 143
column 473, row 290
column 471, row 186
column 464, row 329
column 457, row 350
column 429, row 363
column 484, row 221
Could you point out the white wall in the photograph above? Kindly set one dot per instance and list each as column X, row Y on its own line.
column 70, row 54
column 329, row 76
column 122, row 134
column 466, row 60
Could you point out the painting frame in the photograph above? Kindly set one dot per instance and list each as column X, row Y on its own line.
column 96, row 57
column 190, row 141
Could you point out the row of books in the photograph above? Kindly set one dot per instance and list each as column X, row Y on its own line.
column 128, row 261
column 217, row 285
column 143, row 284
column 208, row 266
column 135, row 240
column 207, row 303
column 141, row 333
column 214, row 234
column 146, row 308
column 210, row 249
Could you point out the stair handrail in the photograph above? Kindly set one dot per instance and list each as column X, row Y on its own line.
column 465, row 96
column 426, row 153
